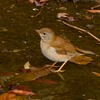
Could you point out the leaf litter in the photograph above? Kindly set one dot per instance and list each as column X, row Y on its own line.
column 28, row 74
column 38, row 2
column 34, row 73
column 21, row 92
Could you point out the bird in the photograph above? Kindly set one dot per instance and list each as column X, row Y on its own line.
column 57, row 49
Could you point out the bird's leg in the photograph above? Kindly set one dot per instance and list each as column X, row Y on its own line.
column 53, row 64
column 59, row 70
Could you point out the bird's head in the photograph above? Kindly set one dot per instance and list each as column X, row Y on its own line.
column 46, row 34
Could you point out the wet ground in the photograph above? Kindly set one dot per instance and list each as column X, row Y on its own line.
column 20, row 43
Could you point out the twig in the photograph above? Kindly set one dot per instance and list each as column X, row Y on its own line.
column 39, row 12
column 95, row 6
column 83, row 30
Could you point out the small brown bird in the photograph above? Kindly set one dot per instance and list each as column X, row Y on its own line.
column 57, row 49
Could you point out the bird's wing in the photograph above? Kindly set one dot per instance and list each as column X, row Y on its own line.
column 63, row 46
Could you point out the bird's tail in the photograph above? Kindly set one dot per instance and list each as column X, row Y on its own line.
column 85, row 51
column 82, row 60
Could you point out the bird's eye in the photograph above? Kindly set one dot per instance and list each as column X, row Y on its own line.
column 44, row 33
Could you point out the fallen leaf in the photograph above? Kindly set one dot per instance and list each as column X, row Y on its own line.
column 7, row 74
column 38, row 2
column 7, row 96
column 20, row 87
column 97, row 74
column 65, row 16
column 87, row 17
column 27, row 65
column 12, row 96
column 43, row 0
column 25, row 70
column 21, row 92
column 31, row 1
column 93, row 11
column 45, row 81
column 34, row 74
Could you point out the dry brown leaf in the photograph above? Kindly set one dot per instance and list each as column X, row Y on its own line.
column 45, row 81
column 21, row 92
column 12, row 96
column 43, row 0
column 94, row 11
column 34, row 73
column 38, row 2
column 87, row 17
column 97, row 74
column 66, row 17
column 8, row 96
column 31, row 1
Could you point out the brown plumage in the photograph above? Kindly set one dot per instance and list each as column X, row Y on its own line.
column 63, row 46
column 57, row 49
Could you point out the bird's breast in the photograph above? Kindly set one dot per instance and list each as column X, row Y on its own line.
column 50, row 53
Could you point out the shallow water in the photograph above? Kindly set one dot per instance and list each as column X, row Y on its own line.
column 20, row 43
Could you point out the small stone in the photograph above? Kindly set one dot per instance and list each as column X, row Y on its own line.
column 63, row 8
column 83, row 95
column 89, row 26
column 35, row 9
column 24, row 42
column 80, row 36
column 3, row 41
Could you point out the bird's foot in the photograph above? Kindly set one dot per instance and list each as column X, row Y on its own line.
column 56, row 71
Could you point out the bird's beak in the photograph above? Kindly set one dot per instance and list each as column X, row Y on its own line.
column 38, row 31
